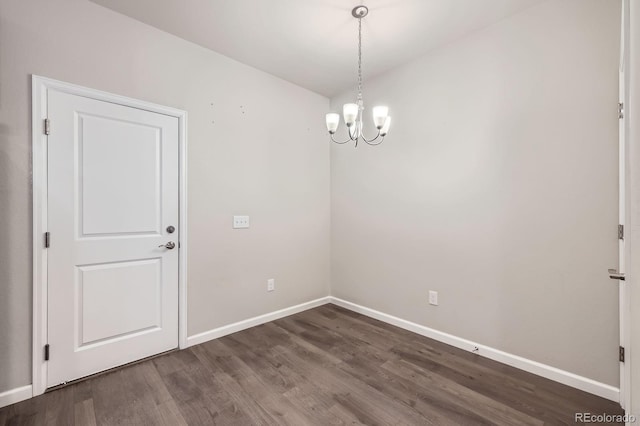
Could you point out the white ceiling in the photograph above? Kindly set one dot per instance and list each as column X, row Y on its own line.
column 313, row 43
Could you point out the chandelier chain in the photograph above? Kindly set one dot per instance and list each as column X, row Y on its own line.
column 360, row 102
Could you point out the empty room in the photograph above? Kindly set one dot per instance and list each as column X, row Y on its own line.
column 319, row 212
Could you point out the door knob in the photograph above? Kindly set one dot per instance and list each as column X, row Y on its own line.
column 170, row 245
column 614, row 275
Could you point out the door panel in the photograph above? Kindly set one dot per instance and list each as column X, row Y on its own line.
column 105, row 203
column 113, row 191
column 103, row 314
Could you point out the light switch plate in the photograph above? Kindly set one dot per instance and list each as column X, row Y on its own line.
column 240, row 222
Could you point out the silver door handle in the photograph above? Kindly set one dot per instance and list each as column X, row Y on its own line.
column 170, row 245
column 614, row 275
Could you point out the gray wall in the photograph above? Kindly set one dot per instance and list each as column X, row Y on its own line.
column 257, row 146
column 496, row 187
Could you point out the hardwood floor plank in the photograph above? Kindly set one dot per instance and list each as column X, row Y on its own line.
column 254, row 345
column 170, row 414
column 486, row 407
column 193, row 403
column 126, row 396
column 29, row 412
column 174, row 361
column 371, row 404
column 365, row 365
column 60, row 407
column 431, row 402
column 322, row 357
column 279, row 380
column 345, row 415
column 82, row 391
column 236, row 399
column 84, row 413
column 270, row 400
column 317, row 408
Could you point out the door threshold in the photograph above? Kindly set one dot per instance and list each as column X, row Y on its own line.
column 111, row 370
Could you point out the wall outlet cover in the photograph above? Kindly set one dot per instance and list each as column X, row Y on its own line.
column 240, row 222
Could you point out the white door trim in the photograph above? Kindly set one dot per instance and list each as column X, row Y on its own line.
column 40, row 89
column 624, row 209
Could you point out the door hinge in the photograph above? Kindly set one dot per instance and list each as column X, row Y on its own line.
column 621, row 354
column 47, row 126
column 620, row 110
column 47, row 239
column 620, row 232
column 46, row 352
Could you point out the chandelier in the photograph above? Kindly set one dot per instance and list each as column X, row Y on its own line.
column 352, row 113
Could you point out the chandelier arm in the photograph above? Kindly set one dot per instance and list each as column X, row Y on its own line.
column 370, row 140
column 355, row 133
column 374, row 144
column 338, row 142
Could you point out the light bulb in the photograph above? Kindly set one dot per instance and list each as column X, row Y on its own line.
column 385, row 128
column 380, row 114
column 333, row 120
column 350, row 112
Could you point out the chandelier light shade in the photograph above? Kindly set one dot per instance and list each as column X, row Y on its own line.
column 333, row 120
column 352, row 113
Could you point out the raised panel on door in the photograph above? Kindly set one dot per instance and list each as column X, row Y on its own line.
column 113, row 191
column 120, row 185
column 117, row 300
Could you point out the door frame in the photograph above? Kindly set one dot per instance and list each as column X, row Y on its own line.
column 40, row 88
column 624, row 206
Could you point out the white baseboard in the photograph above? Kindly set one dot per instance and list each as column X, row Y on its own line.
column 570, row 379
column 252, row 322
column 15, row 395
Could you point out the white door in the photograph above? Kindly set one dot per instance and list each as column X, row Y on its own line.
column 113, row 274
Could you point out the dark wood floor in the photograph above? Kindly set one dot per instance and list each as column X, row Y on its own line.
column 326, row 366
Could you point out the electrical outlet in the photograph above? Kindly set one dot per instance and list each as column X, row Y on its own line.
column 271, row 284
column 240, row 222
column 433, row 297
